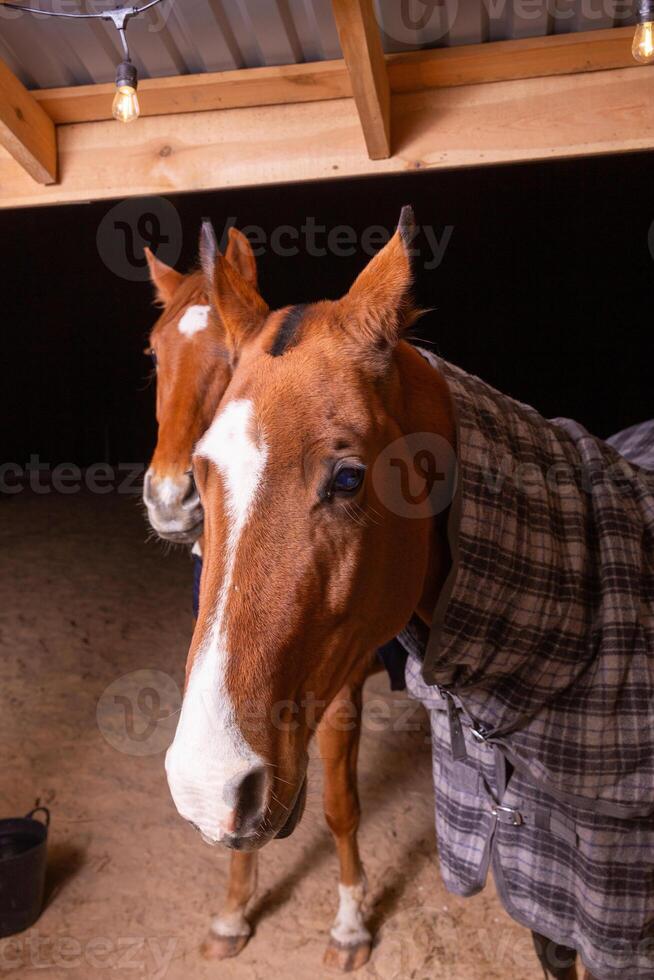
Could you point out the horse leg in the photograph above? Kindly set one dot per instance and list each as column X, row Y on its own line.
column 338, row 739
column 557, row 961
column 230, row 930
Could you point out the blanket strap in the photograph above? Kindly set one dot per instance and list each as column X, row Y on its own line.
column 457, row 738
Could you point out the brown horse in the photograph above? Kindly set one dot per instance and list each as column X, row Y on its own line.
column 300, row 582
column 187, row 346
column 193, row 369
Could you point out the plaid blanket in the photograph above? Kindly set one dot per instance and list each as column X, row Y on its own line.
column 538, row 673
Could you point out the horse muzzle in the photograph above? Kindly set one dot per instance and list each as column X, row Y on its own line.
column 174, row 509
column 236, row 842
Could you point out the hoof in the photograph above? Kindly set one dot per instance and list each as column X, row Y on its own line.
column 222, row 947
column 346, row 958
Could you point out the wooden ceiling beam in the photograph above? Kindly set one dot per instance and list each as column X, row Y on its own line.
column 26, row 131
column 503, row 61
column 411, row 71
column 276, row 85
column 473, row 125
column 361, row 45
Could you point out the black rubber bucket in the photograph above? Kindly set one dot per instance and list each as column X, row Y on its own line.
column 23, row 852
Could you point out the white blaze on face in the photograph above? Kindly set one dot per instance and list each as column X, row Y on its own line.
column 195, row 319
column 209, row 750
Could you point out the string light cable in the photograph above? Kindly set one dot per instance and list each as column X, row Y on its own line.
column 126, row 104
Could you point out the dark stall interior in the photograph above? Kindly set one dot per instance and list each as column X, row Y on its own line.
column 538, row 277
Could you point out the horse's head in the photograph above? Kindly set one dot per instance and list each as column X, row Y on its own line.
column 307, row 566
column 187, row 345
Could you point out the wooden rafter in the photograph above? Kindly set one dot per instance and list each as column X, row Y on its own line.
column 472, row 125
column 321, row 80
column 276, row 85
column 362, row 49
column 26, row 131
column 502, row 61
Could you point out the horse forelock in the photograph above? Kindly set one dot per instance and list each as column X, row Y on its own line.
column 191, row 292
column 288, row 332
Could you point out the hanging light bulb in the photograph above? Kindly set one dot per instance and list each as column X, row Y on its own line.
column 125, row 106
column 643, row 44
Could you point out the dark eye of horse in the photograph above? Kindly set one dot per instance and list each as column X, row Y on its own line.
column 348, row 478
column 153, row 355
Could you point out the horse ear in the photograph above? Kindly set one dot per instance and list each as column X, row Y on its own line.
column 241, row 308
column 208, row 249
column 379, row 302
column 164, row 278
column 239, row 253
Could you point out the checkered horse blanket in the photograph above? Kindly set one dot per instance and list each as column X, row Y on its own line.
column 538, row 673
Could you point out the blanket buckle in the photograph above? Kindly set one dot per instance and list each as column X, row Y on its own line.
column 507, row 814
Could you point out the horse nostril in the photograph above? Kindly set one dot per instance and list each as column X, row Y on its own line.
column 147, row 489
column 190, row 498
column 247, row 795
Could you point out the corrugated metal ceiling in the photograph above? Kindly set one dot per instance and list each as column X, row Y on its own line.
column 187, row 36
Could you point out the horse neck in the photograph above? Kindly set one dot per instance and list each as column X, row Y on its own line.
column 424, row 405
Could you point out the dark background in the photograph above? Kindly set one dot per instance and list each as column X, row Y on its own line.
column 545, row 290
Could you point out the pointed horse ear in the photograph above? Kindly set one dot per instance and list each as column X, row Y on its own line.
column 239, row 253
column 239, row 305
column 164, row 278
column 378, row 308
column 208, row 249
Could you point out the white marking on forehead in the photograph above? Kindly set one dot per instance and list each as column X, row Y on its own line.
column 195, row 319
column 209, row 749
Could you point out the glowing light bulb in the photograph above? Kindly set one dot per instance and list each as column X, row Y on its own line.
column 125, row 106
column 643, row 45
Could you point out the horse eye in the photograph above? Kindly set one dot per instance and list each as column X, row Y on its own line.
column 152, row 354
column 348, row 478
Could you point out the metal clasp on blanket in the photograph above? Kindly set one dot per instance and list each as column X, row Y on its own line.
column 506, row 814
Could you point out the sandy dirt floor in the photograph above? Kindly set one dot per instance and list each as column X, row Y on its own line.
column 94, row 626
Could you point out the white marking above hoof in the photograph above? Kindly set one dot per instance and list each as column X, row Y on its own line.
column 349, row 928
column 230, row 924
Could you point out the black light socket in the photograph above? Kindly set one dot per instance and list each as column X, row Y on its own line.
column 645, row 11
column 126, row 74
